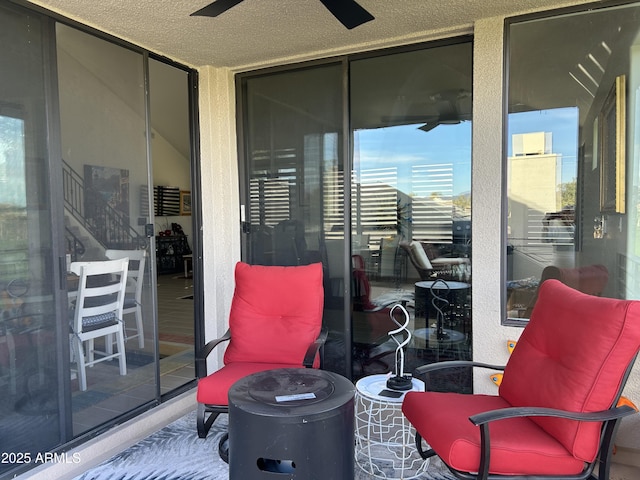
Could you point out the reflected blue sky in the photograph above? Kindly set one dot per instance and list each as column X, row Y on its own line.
column 406, row 145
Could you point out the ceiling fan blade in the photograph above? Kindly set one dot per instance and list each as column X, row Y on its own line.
column 216, row 8
column 348, row 12
column 427, row 127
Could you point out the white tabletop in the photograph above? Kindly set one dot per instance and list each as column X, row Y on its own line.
column 372, row 385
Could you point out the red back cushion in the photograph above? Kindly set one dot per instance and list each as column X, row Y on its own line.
column 276, row 313
column 572, row 355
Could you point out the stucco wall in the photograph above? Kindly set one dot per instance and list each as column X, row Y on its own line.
column 220, row 197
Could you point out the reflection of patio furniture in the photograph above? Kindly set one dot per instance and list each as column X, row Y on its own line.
column 446, row 340
column 430, row 267
column 290, row 246
column 334, row 254
column 445, row 306
column 389, row 262
column 370, row 317
column 589, row 279
column 559, row 227
column 27, row 363
column 455, row 294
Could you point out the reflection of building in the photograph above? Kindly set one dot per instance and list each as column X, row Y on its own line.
column 533, row 181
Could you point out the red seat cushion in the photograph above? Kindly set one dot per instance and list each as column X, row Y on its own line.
column 213, row 389
column 572, row 356
column 518, row 446
column 276, row 313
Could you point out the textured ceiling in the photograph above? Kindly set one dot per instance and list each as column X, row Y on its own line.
column 264, row 32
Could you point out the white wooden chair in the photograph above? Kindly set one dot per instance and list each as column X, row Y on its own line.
column 135, row 280
column 97, row 312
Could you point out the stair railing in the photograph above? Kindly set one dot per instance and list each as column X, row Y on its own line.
column 106, row 224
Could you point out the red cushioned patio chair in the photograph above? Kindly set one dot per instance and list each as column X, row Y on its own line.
column 275, row 322
column 556, row 414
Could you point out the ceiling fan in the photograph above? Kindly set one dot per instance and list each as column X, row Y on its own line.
column 348, row 12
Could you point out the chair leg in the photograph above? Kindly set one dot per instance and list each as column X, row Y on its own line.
column 423, row 453
column 80, row 361
column 606, row 449
column 90, row 353
column 139, row 327
column 223, row 448
column 204, row 424
column 122, row 358
column 108, row 344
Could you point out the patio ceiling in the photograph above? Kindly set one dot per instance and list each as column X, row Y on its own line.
column 258, row 33
column 263, row 32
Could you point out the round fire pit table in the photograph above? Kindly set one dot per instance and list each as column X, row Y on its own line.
column 291, row 423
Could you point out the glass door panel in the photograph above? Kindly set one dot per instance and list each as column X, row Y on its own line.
column 295, row 182
column 171, row 150
column 32, row 416
column 411, row 208
column 106, row 200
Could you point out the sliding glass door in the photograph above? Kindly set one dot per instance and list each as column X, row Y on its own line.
column 76, row 185
column 103, row 121
column 171, row 164
column 363, row 200
column 32, row 342
column 294, row 182
column 411, row 204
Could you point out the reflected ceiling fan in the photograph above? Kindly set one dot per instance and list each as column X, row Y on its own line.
column 443, row 108
column 348, row 12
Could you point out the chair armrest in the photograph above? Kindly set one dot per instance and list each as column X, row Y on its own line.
column 449, row 261
column 433, row 367
column 513, row 412
column 201, row 357
column 610, row 418
column 314, row 348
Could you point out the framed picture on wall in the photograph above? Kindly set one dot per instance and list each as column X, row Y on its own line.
column 185, row 202
column 612, row 135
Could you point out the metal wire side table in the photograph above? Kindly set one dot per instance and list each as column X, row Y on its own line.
column 384, row 438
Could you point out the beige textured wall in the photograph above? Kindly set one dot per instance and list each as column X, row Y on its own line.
column 220, row 196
